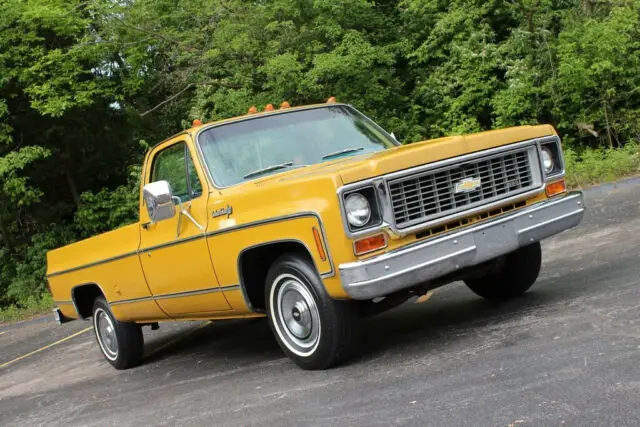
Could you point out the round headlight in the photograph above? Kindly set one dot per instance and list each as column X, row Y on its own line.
column 358, row 209
column 547, row 160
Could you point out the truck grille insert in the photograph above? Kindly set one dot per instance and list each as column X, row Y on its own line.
column 432, row 194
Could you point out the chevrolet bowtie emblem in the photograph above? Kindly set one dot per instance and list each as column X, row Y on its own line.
column 467, row 185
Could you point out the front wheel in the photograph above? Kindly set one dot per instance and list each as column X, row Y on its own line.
column 121, row 343
column 315, row 331
column 517, row 272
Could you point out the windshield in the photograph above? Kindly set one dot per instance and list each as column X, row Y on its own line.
column 260, row 146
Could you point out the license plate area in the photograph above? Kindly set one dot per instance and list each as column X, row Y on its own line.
column 496, row 240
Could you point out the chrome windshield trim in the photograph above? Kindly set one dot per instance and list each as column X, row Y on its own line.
column 204, row 164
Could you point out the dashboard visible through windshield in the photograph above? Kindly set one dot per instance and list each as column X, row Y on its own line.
column 248, row 149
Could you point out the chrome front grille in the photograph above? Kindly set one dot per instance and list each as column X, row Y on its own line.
column 428, row 195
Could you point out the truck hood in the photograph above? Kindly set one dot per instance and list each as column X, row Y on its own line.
column 361, row 167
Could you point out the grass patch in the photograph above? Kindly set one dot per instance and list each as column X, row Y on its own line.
column 31, row 307
column 594, row 166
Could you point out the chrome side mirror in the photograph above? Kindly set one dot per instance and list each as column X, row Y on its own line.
column 159, row 200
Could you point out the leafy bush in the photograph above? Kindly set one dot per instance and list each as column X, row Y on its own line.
column 109, row 209
column 32, row 306
column 591, row 166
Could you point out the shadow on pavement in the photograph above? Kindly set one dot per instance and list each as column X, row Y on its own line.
column 440, row 321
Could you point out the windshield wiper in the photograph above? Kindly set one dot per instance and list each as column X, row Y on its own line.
column 345, row 151
column 268, row 169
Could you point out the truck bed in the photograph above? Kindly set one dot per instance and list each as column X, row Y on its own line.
column 109, row 261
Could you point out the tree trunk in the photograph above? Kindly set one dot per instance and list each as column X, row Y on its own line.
column 5, row 235
column 73, row 188
column 606, row 118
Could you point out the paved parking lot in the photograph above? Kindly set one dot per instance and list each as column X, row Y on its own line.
column 567, row 353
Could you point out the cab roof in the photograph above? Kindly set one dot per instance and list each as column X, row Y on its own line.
column 267, row 111
column 197, row 125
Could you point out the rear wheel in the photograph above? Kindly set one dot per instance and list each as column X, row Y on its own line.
column 121, row 343
column 517, row 272
column 315, row 331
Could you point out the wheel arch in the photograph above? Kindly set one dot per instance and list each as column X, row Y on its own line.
column 83, row 297
column 254, row 263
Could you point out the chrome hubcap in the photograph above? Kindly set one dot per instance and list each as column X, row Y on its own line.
column 296, row 315
column 295, row 312
column 106, row 333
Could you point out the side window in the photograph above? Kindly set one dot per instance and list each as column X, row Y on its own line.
column 194, row 181
column 174, row 164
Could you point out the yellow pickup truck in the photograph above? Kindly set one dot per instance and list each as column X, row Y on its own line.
column 314, row 216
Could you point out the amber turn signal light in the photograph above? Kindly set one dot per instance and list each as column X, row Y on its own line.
column 556, row 188
column 369, row 244
column 319, row 245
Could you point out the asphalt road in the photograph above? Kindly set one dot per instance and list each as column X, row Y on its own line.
column 567, row 353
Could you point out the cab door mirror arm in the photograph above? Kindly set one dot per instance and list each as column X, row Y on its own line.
column 185, row 211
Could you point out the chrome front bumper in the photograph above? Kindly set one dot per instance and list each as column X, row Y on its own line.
column 418, row 263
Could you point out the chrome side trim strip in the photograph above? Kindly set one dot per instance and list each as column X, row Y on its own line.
column 213, row 233
column 178, row 294
column 131, row 300
column 93, row 264
column 198, row 292
column 169, row 244
column 56, row 302
column 280, row 219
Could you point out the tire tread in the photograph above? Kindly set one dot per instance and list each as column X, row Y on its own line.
column 129, row 336
column 339, row 318
column 515, row 277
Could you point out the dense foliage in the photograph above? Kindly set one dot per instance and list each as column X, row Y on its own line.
column 84, row 83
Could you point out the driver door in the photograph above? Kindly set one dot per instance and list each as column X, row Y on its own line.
column 173, row 252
